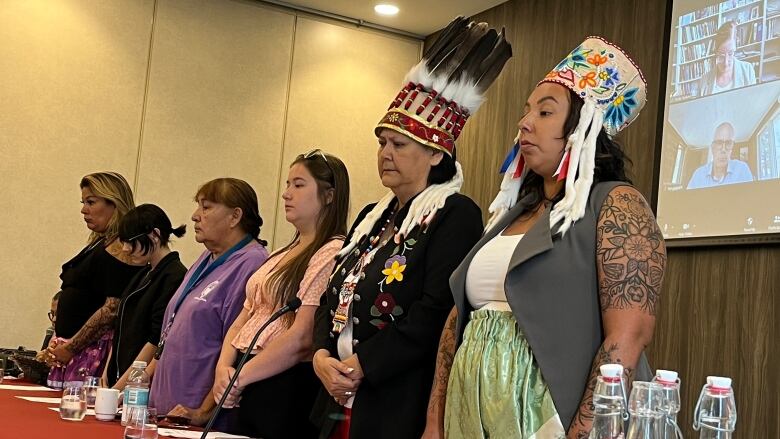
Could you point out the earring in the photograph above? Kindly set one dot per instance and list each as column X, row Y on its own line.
column 563, row 167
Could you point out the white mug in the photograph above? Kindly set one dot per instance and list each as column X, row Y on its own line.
column 106, row 404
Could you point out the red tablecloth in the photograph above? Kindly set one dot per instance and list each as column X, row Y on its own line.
column 22, row 419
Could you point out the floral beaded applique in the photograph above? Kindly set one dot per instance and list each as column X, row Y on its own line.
column 394, row 269
column 601, row 71
column 385, row 304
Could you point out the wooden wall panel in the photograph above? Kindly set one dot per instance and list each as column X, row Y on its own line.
column 542, row 33
column 719, row 309
column 719, row 316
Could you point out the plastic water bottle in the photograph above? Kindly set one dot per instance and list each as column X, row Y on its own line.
column 609, row 403
column 645, row 409
column 716, row 410
column 670, row 405
column 137, row 389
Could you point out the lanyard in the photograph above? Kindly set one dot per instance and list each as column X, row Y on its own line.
column 204, row 269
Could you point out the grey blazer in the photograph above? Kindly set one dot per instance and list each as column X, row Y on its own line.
column 552, row 289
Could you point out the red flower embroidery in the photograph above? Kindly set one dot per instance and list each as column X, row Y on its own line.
column 385, row 303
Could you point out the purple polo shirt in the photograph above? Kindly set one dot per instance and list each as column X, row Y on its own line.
column 185, row 373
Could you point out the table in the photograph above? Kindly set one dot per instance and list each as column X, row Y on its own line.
column 21, row 419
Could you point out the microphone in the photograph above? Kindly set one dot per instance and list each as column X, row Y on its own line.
column 291, row 305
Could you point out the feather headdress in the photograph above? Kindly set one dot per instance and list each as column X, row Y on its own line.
column 439, row 94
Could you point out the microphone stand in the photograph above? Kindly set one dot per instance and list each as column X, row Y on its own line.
column 292, row 305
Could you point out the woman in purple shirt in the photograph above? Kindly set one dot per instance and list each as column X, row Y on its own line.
column 227, row 223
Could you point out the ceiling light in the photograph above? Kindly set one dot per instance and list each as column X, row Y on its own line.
column 386, row 9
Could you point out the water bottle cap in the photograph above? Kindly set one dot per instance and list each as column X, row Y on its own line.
column 666, row 376
column 139, row 363
column 719, row 382
column 611, row 370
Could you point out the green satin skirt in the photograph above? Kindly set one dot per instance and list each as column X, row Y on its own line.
column 496, row 389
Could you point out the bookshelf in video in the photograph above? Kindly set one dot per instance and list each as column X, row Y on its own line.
column 756, row 35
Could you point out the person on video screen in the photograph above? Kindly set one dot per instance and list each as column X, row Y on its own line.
column 722, row 169
column 728, row 72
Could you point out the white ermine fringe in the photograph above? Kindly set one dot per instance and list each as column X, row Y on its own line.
column 424, row 206
column 579, row 177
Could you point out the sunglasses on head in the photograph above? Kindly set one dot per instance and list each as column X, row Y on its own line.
column 313, row 154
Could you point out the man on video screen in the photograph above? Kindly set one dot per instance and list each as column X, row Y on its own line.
column 722, row 170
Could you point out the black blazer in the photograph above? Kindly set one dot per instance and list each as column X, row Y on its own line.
column 396, row 330
column 141, row 312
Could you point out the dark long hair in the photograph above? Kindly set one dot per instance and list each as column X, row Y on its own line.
column 331, row 175
column 444, row 171
column 139, row 222
column 610, row 158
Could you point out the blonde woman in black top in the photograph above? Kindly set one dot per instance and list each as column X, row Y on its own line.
column 91, row 284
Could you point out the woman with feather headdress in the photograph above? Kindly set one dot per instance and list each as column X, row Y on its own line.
column 379, row 322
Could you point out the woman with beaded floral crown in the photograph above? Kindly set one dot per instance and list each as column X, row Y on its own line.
column 379, row 322
column 568, row 274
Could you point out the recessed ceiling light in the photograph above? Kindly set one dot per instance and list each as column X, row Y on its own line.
column 386, row 9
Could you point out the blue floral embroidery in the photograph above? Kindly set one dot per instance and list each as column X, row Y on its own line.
column 609, row 76
column 621, row 108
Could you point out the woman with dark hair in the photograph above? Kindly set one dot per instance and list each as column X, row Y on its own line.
column 380, row 319
column 316, row 202
column 227, row 222
column 92, row 283
column 566, row 278
column 144, row 233
column 728, row 71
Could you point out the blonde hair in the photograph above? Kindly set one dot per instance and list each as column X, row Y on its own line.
column 112, row 187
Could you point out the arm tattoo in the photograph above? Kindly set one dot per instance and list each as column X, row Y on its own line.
column 444, row 359
column 101, row 322
column 605, row 355
column 630, row 253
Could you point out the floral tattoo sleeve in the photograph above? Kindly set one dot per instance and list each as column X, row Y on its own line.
column 630, row 253
column 631, row 259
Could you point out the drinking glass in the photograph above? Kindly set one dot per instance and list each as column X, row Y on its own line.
column 73, row 405
column 141, row 423
column 91, row 384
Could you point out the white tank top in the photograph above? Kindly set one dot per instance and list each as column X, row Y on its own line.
column 487, row 272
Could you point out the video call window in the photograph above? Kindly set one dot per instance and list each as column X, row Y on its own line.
column 720, row 154
column 724, row 46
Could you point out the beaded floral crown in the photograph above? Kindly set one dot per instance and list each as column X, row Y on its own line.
column 614, row 91
column 603, row 72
